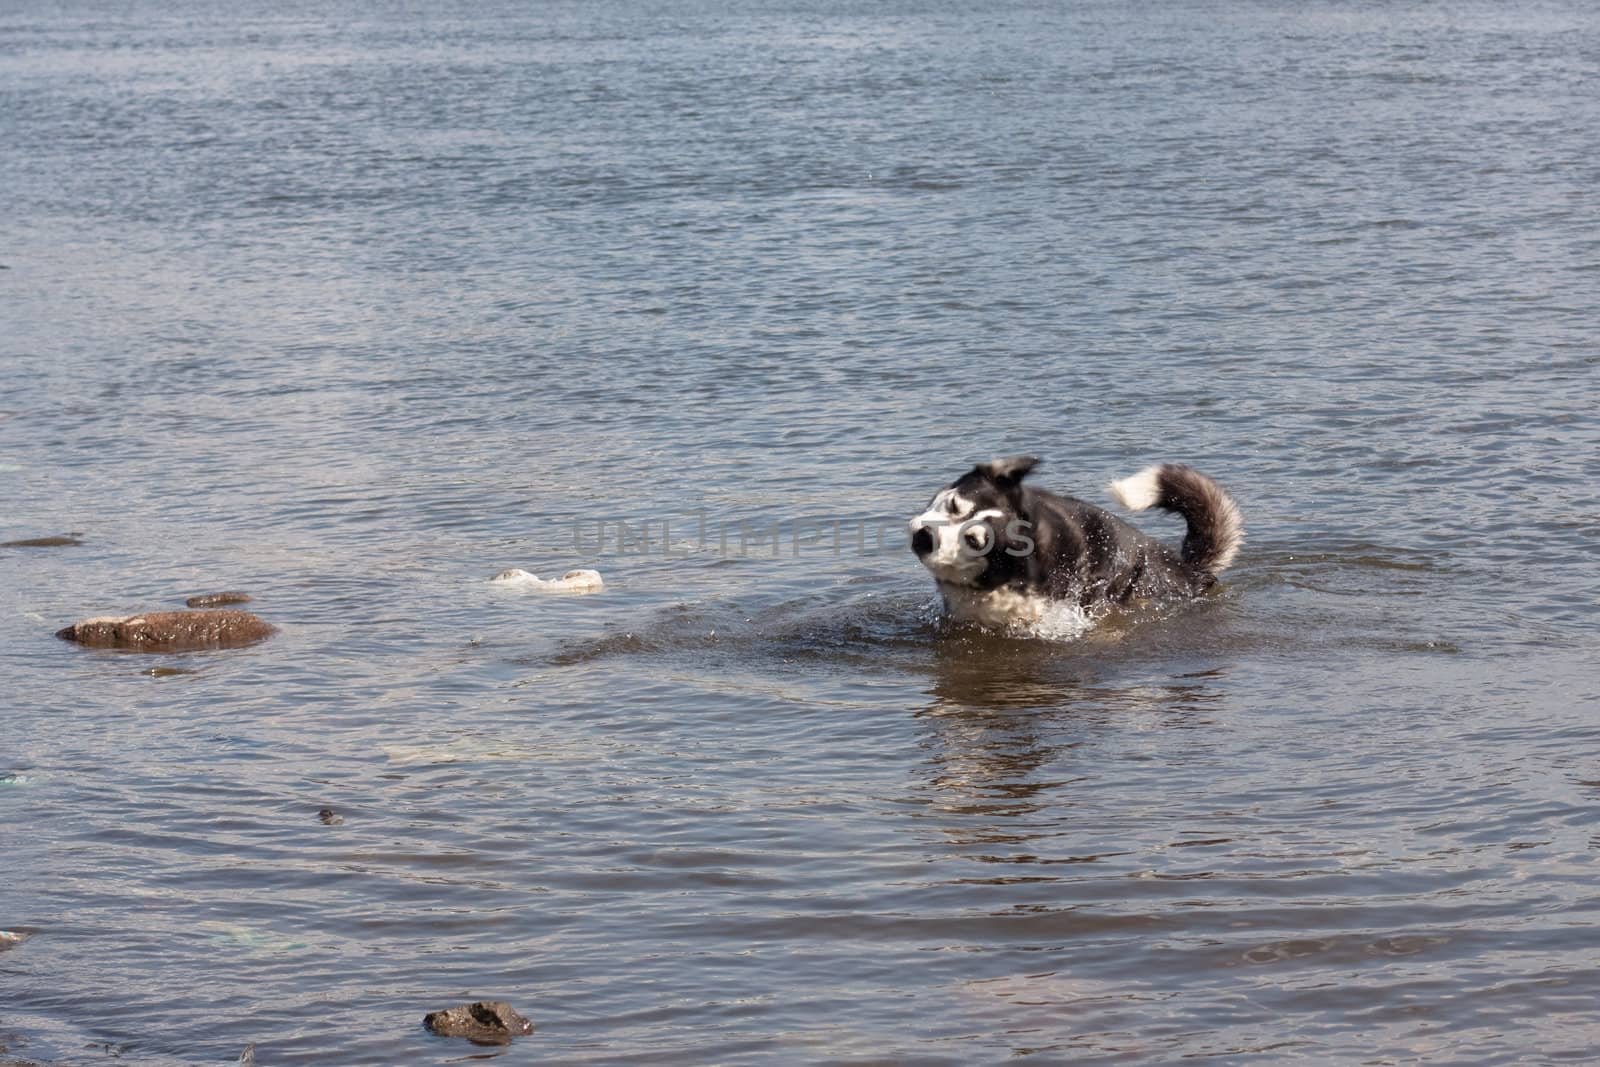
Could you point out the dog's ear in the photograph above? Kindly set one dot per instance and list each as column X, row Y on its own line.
column 1007, row 472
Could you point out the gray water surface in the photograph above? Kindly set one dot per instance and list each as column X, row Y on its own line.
column 353, row 307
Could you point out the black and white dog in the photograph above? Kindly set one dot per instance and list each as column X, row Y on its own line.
column 1003, row 554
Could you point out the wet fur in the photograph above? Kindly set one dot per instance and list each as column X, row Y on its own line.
column 1081, row 554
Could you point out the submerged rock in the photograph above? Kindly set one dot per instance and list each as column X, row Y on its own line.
column 217, row 600
column 250, row 939
column 170, row 631
column 488, row 1022
column 42, row 542
column 6, row 1059
column 580, row 581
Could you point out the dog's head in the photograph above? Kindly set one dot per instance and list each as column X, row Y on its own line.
column 974, row 530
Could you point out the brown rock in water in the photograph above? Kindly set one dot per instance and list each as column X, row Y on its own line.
column 171, row 631
column 217, row 600
column 488, row 1022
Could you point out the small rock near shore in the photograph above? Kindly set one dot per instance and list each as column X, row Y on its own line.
column 487, row 1022
column 217, row 600
column 170, row 631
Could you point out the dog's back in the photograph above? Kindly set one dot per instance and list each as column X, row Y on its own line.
column 1086, row 554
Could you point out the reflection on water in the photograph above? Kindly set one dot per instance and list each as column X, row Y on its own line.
column 1006, row 739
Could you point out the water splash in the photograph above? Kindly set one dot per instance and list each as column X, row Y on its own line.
column 1060, row 621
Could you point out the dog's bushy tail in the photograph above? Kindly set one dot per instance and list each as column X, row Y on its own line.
column 1216, row 529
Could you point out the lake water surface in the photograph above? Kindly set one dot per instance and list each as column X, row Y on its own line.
column 352, row 306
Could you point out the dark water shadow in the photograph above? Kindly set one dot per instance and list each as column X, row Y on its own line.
column 1321, row 600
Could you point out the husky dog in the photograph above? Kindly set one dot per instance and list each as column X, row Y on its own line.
column 1002, row 553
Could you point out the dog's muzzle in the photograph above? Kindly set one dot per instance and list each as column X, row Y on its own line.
column 950, row 551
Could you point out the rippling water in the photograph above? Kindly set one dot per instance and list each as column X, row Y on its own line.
column 354, row 308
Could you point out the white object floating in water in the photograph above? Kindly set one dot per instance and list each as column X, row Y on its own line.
column 570, row 582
